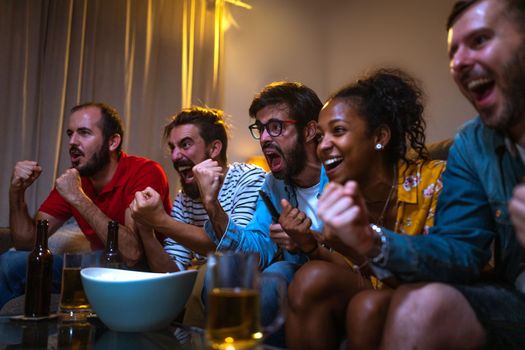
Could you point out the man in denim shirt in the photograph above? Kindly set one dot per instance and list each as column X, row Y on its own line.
column 286, row 117
column 486, row 44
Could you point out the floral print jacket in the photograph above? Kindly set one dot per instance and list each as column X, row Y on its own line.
column 419, row 186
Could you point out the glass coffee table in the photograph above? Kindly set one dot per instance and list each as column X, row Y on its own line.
column 54, row 334
column 92, row 334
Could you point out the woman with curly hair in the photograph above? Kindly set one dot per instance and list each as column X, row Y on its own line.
column 372, row 145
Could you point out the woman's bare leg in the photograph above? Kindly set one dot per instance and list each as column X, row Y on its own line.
column 317, row 299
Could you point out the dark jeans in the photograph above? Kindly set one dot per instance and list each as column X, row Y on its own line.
column 13, row 267
column 501, row 311
column 270, row 297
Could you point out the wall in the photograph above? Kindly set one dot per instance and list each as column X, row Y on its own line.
column 328, row 43
column 274, row 41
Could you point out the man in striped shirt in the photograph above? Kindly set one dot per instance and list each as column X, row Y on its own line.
column 197, row 139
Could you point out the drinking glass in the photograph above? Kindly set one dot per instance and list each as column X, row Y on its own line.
column 74, row 305
column 75, row 335
column 233, row 319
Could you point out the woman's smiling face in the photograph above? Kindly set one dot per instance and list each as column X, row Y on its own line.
column 346, row 148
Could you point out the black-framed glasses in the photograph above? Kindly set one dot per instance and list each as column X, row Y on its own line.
column 274, row 128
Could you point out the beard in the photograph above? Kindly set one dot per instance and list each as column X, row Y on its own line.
column 96, row 163
column 513, row 111
column 190, row 189
column 295, row 159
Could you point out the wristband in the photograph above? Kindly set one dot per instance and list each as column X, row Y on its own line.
column 381, row 257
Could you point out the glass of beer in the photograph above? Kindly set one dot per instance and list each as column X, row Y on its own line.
column 75, row 335
column 233, row 317
column 74, row 305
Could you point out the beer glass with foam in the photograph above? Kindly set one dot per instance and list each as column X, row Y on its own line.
column 235, row 290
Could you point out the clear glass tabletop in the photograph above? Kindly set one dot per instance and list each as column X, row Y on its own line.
column 92, row 334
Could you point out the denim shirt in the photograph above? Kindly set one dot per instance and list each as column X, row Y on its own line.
column 255, row 237
column 471, row 213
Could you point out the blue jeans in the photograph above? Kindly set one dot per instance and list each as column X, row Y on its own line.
column 501, row 311
column 270, row 298
column 13, row 267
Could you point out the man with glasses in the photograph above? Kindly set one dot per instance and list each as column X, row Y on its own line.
column 286, row 117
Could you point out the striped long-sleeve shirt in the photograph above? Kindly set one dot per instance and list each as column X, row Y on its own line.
column 238, row 197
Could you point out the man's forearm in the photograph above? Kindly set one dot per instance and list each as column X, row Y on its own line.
column 191, row 236
column 218, row 218
column 22, row 226
column 129, row 245
column 158, row 259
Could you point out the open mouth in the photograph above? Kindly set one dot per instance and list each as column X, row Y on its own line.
column 185, row 173
column 274, row 159
column 332, row 163
column 480, row 88
column 75, row 155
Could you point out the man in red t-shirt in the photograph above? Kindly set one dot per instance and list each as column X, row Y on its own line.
column 99, row 187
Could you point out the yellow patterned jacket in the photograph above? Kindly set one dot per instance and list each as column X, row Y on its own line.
column 419, row 186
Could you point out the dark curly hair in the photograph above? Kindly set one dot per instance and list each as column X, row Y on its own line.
column 390, row 97
column 303, row 103
column 211, row 123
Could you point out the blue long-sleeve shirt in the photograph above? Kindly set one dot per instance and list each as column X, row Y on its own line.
column 255, row 237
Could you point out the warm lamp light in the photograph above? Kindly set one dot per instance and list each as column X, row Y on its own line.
column 260, row 161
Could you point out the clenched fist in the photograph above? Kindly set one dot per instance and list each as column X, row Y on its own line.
column 69, row 185
column 147, row 207
column 24, row 174
column 209, row 175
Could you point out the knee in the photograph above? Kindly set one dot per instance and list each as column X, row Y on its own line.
column 422, row 306
column 310, row 284
column 366, row 307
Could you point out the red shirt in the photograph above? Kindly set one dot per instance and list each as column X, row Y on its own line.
column 133, row 174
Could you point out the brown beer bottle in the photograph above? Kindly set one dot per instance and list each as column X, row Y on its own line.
column 39, row 275
column 34, row 336
column 112, row 256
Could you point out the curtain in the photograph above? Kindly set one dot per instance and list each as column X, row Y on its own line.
column 146, row 58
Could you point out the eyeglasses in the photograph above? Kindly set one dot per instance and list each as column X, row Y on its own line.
column 274, row 128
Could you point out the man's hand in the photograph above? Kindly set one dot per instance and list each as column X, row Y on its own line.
column 344, row 213
column 517, row 212
column 24, row 174
column 69, row 185
column 209, row 179
column 147, row 207
column 282, row 240
column 297, row 225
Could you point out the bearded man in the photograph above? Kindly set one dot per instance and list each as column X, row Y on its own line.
column 98, row 188
column 214, row 194
column 461, row 302
column 286, row 115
